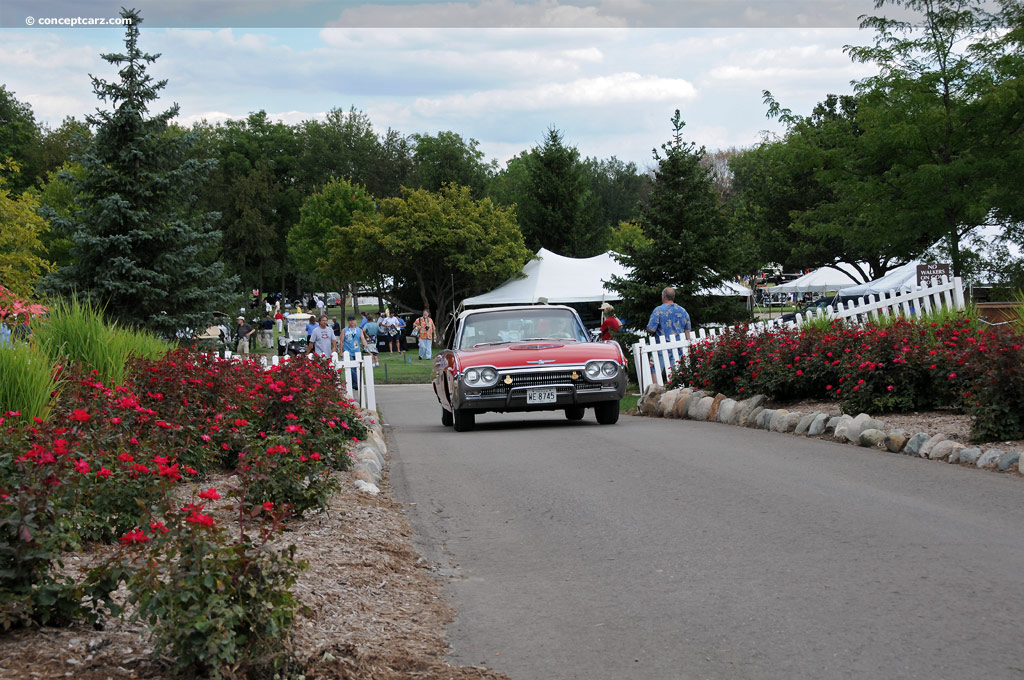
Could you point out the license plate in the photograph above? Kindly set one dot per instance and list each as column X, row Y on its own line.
column 545, row 396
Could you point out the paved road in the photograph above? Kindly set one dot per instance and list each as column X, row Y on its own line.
column 667, row 549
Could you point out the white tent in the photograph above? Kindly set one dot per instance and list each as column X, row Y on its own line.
column 557, row 278
column 563, row 280
column 821, row 280
column 903, row 278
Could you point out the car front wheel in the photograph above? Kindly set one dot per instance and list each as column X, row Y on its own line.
column 446, row 417
column 607, row 412
column 575, row 413
column 464, row 420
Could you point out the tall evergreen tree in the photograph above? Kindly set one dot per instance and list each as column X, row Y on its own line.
column 686, row 240
column 558, row 212
column 144, row 248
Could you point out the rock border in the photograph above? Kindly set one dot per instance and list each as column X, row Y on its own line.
column 862, row 430
column 369, row 457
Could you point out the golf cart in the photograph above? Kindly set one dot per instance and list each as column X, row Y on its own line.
column 298, row 340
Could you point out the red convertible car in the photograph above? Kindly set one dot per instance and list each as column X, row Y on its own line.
column 536, row 358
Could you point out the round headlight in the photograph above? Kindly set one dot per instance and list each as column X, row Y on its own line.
column 609, row 369
column 593, row 370
column 472, row 376
column 488, row 375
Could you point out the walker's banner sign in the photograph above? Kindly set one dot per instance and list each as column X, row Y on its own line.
column 927, row 273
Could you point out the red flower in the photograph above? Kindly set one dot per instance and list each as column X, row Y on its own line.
column 82, row 466
column 134, row 536
column 315, row 455
column 104, row 473
column 241, row 422
column 115, row 421
column 80, row 415
column 199, row 518
column 158, row 526
column 268, row 506
column 210, row 495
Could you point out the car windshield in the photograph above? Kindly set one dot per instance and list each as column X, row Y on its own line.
column 516, row 325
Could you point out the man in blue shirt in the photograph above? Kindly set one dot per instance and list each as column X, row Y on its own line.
column 668, row 320
column 353, row 340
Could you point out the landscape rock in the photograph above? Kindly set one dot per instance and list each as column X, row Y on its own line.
column 648, row 402
column 773, row 423
column 914, row 444
column 715, row 405
column 862, row 422
column 704, row 408
column 747, row 407
column 954, row 456
column 763, row 416
column 817, row 425
column 943, row 449
column 896, row 440
column 691, row 407
column 727, row 411
column 990, row 458
column 871, row 437
column 788, row 422
column 804, row 423
column 371, row 489
column 668, row 402
column 752, row 419
column 926, row 448
column 970, row 455
column 841, row 427
column 1009, row 461
column 831, row 423
column 679, row 408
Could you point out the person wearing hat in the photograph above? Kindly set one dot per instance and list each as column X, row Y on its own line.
column 611, row 323
column 244, row 332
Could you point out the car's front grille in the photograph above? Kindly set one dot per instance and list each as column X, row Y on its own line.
column 539, row 380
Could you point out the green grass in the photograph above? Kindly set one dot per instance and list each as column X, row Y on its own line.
column 402, row 369
column 74, row 332
column 28, row 380
column 628, row 403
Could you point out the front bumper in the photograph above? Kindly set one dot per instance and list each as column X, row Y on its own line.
column 569, row 391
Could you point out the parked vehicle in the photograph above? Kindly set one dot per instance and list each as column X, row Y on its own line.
column 528, row 358
column 817, row 306
column 332, row 299
column 298, row 341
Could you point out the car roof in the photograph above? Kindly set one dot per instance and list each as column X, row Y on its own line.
column 511, row 308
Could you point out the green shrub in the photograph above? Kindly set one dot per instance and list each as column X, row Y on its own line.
column 217, row 606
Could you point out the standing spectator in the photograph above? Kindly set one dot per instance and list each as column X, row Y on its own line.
column 668, row 319
column 337, row 327
column 244, row 332
column 371, row 330
column 279, row 318
column 353, row 339
column 389, row 326
column 267, row 328
column 400, row 338
column 320, row 306
column 322, row 340
column 310, row 325
column 365, row 320
column 611, row 323
column 426, row 332
column 21, row 331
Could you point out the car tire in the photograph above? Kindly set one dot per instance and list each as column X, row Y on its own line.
column 575, row 413
column 446, row 417
column 463, row 420
column 607, row 412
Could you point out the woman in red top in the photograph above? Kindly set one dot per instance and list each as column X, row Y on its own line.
column 610, row 323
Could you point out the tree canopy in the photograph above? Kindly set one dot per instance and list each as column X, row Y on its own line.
column 143, row 247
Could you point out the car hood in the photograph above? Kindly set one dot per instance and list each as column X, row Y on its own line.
column 530, row 353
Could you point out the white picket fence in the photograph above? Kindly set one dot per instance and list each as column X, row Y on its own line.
column 655, row 358
column 345, row 363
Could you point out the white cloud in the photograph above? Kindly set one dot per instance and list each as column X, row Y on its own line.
column 613, row 89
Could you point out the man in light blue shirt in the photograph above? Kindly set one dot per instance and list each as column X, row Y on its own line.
column 668, row 321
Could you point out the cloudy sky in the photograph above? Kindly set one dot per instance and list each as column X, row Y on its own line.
column 607, row 74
